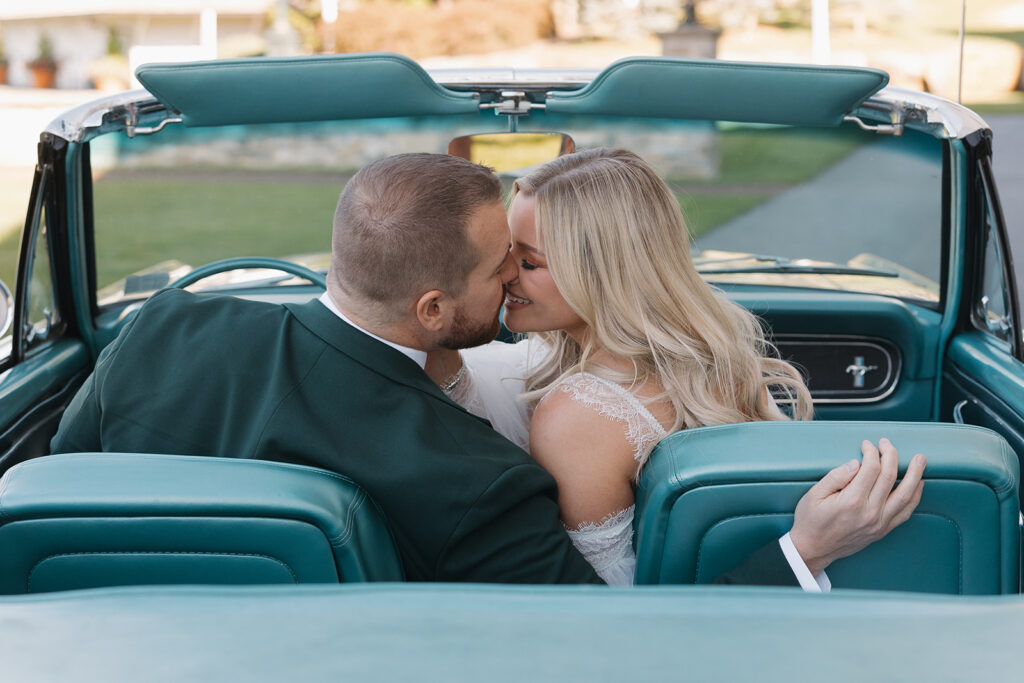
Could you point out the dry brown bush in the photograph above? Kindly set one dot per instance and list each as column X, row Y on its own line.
column 455, row 27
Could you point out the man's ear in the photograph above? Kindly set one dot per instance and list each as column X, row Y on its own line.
column 432, row 310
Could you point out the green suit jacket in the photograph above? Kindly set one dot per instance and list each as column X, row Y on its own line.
column 228, row 377
column 223, row 376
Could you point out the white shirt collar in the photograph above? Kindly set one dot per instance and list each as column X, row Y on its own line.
column 419, row 357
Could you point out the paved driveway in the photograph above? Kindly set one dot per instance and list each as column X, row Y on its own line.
column 870, row 202
column 1008, row 164
column 828, row 211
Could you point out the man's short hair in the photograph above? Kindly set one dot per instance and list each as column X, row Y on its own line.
column 400, row 229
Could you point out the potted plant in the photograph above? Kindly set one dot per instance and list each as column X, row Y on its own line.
column 44, row 66
column 111, row 71
column 3, row 63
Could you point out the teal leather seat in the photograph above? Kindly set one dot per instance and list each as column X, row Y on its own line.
column 86, row 520
column 710, row 496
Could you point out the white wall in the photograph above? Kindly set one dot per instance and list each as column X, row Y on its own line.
column 79, row 41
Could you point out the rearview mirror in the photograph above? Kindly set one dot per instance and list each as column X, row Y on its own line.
column 511, row 153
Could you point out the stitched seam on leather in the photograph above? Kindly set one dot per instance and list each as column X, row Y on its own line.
column 345, row 534
column 825, row 426
column 1009, row 456
column 4, row 483
column 28, row 582
column 950, row 521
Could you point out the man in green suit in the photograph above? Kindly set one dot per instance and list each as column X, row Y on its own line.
column 420, row 258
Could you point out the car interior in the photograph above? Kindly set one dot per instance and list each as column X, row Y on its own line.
column 913, row 340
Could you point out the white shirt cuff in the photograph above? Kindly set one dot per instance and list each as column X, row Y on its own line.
column 811, row 584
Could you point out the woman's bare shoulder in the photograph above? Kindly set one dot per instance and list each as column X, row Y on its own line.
column 589, row 456
column 566, row 432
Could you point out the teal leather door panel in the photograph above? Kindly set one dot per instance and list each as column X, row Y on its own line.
column 824, row 334
column 33, row 395
column 983, row 385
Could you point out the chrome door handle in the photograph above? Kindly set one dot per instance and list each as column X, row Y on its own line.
column 958, row 412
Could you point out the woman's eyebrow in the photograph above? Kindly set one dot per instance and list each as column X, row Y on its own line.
column 530, row 248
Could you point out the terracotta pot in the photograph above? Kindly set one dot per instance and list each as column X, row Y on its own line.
column 43, row 76
column 3, row 73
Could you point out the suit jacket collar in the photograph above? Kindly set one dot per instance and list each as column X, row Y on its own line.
column 362, row 348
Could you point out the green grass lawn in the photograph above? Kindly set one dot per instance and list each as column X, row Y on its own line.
column 142, row 222
column 9, row 255
column 782, row 155
column 200, row 215
column 756, row 164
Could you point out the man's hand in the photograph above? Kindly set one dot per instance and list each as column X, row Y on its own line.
column 854, row 505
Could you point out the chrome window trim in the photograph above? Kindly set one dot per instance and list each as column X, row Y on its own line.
column 921, row 111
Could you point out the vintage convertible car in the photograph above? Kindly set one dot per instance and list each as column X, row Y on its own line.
column 860, row 221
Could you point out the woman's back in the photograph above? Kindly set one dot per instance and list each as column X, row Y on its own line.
column 594, row 435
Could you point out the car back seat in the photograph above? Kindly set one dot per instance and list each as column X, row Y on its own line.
column 104, row 519
column 710, row 496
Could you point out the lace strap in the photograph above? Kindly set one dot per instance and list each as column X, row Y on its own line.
column 618, row 403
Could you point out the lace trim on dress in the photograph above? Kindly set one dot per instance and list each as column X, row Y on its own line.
column 608, row 546
column 612, row 400
column 611, row 520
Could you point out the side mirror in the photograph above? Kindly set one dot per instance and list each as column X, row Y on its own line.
column 512, row 153
column 6, row 308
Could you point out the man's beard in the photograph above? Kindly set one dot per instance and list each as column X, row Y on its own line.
column 465, row 334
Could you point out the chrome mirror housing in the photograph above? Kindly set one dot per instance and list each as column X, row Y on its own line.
column 511, row 153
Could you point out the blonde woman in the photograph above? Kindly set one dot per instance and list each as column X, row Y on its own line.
column 627, row 344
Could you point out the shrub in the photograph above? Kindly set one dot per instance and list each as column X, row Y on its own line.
column 455, row 27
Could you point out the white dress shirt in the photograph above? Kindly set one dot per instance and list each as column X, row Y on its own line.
column 809, row 582
column 418, row 356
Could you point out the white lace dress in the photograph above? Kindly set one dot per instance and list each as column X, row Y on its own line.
column 491, row 389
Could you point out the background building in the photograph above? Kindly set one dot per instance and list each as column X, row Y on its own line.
column 101, row 39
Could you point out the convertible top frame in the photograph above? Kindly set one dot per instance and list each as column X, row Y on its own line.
column 695, row 85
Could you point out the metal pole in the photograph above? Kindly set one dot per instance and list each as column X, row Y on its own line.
column 329, row 15
column 821, row 49
column 963, row 35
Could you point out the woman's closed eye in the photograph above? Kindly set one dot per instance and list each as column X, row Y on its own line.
column 526, row 265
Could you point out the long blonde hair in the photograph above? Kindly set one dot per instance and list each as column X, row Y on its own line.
column 619, row 251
